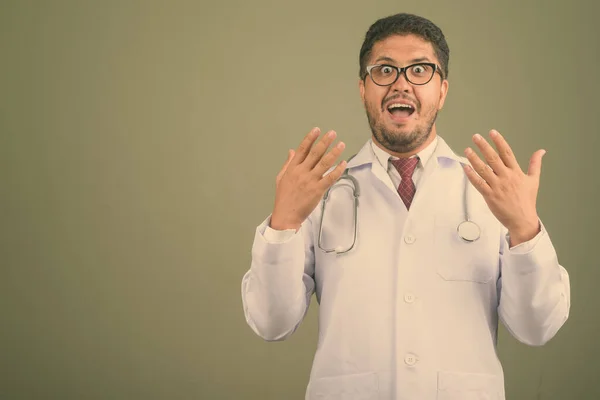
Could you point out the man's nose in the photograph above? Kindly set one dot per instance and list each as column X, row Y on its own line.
column 402, row 84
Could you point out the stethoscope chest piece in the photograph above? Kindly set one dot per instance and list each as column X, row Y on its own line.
column 469, row 231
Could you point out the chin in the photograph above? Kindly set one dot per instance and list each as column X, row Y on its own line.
column 401, row 130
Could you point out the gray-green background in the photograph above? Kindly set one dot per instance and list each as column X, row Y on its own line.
column 139, row 147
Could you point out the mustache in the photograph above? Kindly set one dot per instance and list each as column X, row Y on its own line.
column 400, row 97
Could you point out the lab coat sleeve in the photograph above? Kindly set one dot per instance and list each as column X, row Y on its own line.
column 534, row 289
column 273, row 236
column 277, row 289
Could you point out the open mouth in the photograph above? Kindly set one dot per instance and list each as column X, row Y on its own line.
column 400, row 111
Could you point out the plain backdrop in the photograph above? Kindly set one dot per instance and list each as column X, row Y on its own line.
column 139, row 144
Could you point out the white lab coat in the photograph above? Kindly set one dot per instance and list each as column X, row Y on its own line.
column 411, row 312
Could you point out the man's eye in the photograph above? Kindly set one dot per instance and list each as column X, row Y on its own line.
column 420, row 69
column 387, row 70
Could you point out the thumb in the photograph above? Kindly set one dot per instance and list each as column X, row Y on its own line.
column 291, row 154
column 535, row 163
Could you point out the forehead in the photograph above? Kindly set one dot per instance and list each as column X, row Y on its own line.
column 403, row 49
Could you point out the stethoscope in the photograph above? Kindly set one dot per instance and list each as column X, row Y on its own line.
column 467, row 230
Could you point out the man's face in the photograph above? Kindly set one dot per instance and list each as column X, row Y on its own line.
column 398, row 130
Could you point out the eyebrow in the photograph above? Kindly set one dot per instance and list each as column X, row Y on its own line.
column 389, row 59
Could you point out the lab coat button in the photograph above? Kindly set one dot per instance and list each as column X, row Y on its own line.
column 410, row 359
column 410, row 239
column 409, row 297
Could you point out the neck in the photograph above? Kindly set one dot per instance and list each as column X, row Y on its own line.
column 426, row 143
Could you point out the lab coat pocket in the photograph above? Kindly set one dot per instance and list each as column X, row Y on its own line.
column 458, row 260
column 469, row 386
column 363, row 386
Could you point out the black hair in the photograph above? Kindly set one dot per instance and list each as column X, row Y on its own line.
column 405, row 24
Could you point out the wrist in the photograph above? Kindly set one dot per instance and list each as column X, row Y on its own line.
column 279, row 224
column 524, row 233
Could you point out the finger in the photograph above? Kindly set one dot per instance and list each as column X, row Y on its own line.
column 490, row 155
column 325, row 163
column 317, row 151
column 305, row 146
column 535, row 164
column 328, row 180
column 285, row 165
column 480, row 184
column 482, row 169
column 504, row 150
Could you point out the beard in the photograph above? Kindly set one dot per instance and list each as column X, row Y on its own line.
column 399, row 140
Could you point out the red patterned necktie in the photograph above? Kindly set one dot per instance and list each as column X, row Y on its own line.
column 406, row 189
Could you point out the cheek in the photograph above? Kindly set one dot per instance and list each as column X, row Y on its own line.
column 429, row 99
column 374, row 100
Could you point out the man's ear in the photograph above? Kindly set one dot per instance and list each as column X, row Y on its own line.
column 443, row 93
column 361, row 88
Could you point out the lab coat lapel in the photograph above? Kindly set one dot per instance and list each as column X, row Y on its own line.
column 367, row 156
column 433, row 187
column 442, row 157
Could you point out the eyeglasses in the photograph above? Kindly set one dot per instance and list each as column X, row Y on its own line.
column 417, row 74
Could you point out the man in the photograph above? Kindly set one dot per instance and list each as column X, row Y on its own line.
column 409, row 307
